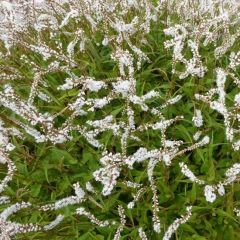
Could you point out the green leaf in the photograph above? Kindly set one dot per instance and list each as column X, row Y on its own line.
column 35, row 189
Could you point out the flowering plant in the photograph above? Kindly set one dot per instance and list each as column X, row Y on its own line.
column 119, row 119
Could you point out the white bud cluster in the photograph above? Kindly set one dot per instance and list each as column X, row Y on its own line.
column 142, row 234
column 175, row 225
column 93, row 219
column 220, row 106
column 197, row 119
column 121, row 213
column 189, row 174
column 80, row 195
column 237, row 211
column 109, row 173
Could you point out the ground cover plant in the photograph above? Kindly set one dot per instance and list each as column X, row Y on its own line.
column 119, row 119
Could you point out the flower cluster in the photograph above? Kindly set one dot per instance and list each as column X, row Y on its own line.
column 201, row 23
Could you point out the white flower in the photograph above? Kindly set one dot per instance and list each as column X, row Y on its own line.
column 237, row 99
column 78, row 191
column 205, row 140
column 93, row 85
column 175, row 225
column 209, row 193
column 157, row 227
column 197, row 135
column 44, row 97
column 237, row 211
column 89, row 187
column 197, row 119
column 220, row 189
column 54, row 223
column 130, row 205
column 188, row 173
column 123, row 87
column 105, row 41
column 221, row 78
column 167, row 159
column 142, row 234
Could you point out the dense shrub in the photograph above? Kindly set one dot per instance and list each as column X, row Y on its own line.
column 119, row 119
